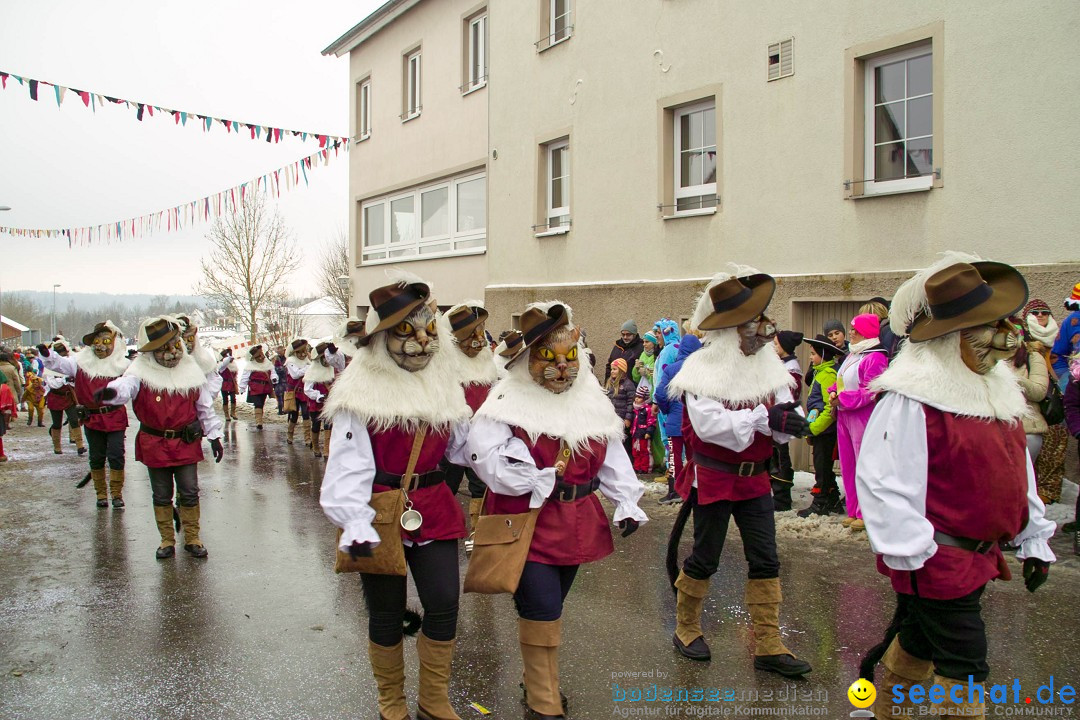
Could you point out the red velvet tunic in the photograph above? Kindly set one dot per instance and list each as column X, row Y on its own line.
column 85, row 386
column 58, row 399
column 296, row 385
column 976, row 488
column 317, row 405
column 259, row 383
column 443, row 519
column 715, row 485
column 476, row 394
column 164, row 410
column 228, row 380
column 567, row 533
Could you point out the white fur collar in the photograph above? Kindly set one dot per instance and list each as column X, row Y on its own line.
column 479, row 370
column 297, row 362
column 265, row 366
column 379, row 393
column 1046, row 335
column 319, row 373
column 582, row 413
column 720, row 371
column 934, row 374
column 185, row 376
column 110, row 367
column 207, row 363
column 346, row 346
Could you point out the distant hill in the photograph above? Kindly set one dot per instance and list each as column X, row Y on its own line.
column 96, row 301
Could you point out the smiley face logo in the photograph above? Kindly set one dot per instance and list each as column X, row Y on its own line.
column 861, row 693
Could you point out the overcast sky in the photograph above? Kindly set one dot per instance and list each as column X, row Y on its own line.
column 67, row 166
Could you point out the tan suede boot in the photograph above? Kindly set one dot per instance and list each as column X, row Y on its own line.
column 55, row 434
column 905, row 670
column 326, row 442
column 388, row 667
column 116, row 487
column 306, row 425
column 436, row 656
column 189, row 519
column 475, row 506
column 233, row 406
column 290, row 432
column 763, row 599
column 954, row 709
column 316, row 446
column 258, row 418
column 163, row 518
column 77, row 438
column 689, row 639
column 540, row 642
column 101, row 486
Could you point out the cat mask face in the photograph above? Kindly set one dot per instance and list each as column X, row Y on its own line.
column 554, row 361
column 473, row 344
column 104, row 343
column 414, row 341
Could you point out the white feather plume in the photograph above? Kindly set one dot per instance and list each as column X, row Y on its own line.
column 704, row 307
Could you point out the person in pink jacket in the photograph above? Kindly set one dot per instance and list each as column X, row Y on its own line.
column 854, row 403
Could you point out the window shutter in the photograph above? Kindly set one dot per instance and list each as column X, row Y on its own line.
column 774, row 61
column 787, row 66
column 781, row 59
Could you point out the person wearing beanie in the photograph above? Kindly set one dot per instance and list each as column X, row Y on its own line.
column 853, row 402
column 834, row 330
column 227, row 372
column 781, row 472
column 621, row 389
column 673, row 412
column 628, row 347
column 642, row 429
column 824, row 357
column 1067, row 343
column 256, row 380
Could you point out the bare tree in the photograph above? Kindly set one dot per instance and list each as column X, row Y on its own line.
column 251, row 255
column 281, row 322
column 333, row 265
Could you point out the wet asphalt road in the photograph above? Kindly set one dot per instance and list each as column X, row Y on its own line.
column 94, row 627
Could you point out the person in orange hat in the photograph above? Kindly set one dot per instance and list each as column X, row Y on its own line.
column 621, row 389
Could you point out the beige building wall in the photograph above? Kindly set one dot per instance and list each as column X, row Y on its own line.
column 448, row 139
column 1005, row 108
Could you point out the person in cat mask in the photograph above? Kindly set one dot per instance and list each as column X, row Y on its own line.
column 60, row 399
column 256, row 380
column 227, row 371
column 398, row 397
column 100, row 362
column 738, row 401
column 170, row 396
column 298, row 360
column 201, row 354
column 944, row 475
column 548, row 437
column 317, row 381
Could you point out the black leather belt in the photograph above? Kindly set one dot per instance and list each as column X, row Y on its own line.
column 143, row 428
column 743, row 469
column 423, row 480
column 569, row 492
column 980, row 546
column 101, row 410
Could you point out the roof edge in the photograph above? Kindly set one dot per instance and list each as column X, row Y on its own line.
column 387, row 13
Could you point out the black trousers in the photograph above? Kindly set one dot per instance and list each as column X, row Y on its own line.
column 434, row 569
column 257, row 400
column 316, row 421
column 754, row 519
column 226, row 396
column 105, row 446
column 780, row 463
column 301, row 409
column 186, row 479
column 950, row 633
column 542, row 590
column 823, row 447
column 58, row 418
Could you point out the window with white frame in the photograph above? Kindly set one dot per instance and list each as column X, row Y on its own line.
column 558, row 184
column 444, row 218
column 363, row 109
column 413, row 104
column 559, row 26
column 477, row 60
column 695, row 157
column 899, row 96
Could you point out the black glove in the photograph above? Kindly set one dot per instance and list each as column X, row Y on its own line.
column 784, row 419
column 359, row 550
column 332, row 348
column 44, row 351
column 215, row 447
column 1035, row 573
column 105, row 393
column 628, row 526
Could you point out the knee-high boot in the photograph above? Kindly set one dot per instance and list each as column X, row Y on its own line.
column 75, row 431
column 101, row 487
column 388, row 667
column 163, row 518
column 475, row 506
column 953, row 709
column 435, row 659
column 306, row 425
column 905, row 670
column 116, row 487
column 233, row 406
column 763, row 599
column 326, row 441
column 689, row 639
column 189, row 519
column 258, row 418
column 290, row 432
column 540, row 642
column 55, row 434
column 316, row 447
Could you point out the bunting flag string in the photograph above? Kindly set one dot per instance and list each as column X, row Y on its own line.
column 180, row 117
column 184, row 216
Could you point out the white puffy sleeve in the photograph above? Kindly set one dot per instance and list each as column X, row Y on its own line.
column 1033, row 538
column 619, row 483
column 311, row 392
column 126, row 387
column 213, row 384
column 504, row 464
column 457, row 450
column 224, row 363
column 204, row 408
column 336, row 360
column 732, row 429
column 295, row 371
column 242, row 383
column 891, row 478
column 63, row 365
column 346, row 485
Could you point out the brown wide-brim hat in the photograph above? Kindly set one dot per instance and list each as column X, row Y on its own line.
column 966, row 295
column 253, row 348
column 465, row 319
column 321, row 348
column 738, row 300
column 157, row 333
column 104, row 326
column 511, row 343
column 392, row 304
column 537, row 325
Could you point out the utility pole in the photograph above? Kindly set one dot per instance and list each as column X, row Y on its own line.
column 54, row 311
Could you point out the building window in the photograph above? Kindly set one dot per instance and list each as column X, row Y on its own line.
column 476, row 62
column 558, row 185
column 557, row 20
column 363, row 109
column 899, row 101
column 695, row 157
column 413, row 104
column 445, row 218
column 781, row 62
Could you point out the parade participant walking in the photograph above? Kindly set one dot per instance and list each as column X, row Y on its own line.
column 396, row 407
column 944, row 475
column 739, row 401
column 100, row 362
column 674, row 412
column 781, row 472
column 296, row 364
column 279, row 379
column 256, row 380
column 34, row 397
column 227, row 371
column 202, row 355
column 547, row 437
column 821, row 418
column 169, row 393
column 853, row 402
column 318, row 378
column 347, row 341
column 60, row 400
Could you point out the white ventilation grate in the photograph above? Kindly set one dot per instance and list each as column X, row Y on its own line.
column 781, row 60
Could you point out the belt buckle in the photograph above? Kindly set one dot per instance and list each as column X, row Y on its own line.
column 563, row 492
column 746, row 469
column 984, row 546
column 170, row 434
column 413, row 484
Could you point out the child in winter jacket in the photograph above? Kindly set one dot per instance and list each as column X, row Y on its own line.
column 824, row 356
column 642, row 429
column 620, row 388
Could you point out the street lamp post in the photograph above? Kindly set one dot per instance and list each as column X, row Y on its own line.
column 54, row 310
column 345, row 283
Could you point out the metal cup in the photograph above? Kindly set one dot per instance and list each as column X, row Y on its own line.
column 411, row 520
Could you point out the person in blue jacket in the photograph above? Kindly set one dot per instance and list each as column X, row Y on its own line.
column 673, row 415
